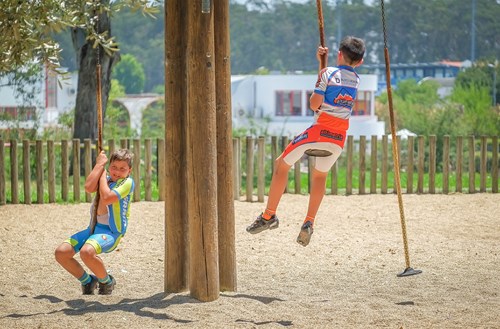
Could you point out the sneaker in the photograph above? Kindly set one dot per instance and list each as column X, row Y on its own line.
column 261, row 224
column 107, row 289
column 88, row 289
column 305, row 234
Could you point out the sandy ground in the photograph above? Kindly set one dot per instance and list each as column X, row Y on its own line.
column 346, row 277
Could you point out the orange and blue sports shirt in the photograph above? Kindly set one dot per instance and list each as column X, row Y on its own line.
column 339, row 86
column 119, row 212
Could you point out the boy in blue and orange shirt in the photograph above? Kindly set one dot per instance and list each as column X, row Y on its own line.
column 332, row 102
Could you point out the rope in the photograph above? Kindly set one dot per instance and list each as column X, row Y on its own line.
column 99, row 120
column 395, row 152
column 321, row 26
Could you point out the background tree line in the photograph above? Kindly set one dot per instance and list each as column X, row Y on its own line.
column 283, row 36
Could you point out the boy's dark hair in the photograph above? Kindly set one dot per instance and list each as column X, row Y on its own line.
column 353, row 49
column 122, row 155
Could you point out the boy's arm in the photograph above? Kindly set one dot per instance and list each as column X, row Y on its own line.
column 91, row 183
column 106, row 195
column 316, row 99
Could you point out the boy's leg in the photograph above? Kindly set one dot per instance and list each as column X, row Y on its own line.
column 65, row 256
column 89, row 256
column 278, row 183
column 318, row 187
column 268, row 219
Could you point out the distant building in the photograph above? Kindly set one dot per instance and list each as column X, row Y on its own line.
column 444, row 72
column 280, row 104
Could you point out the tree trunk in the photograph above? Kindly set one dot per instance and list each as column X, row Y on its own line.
column 86, row 104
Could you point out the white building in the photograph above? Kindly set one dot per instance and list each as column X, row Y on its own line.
column 272, row 104
column 52, row 98
column 279, row 104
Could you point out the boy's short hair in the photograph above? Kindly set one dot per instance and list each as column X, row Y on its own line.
column 122, row 155
column 353, row 49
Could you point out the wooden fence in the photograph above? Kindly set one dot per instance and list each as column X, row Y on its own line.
column 45, row 170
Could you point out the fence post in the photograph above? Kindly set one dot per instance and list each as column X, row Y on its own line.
column 136, row 170
column 2, row 173
column 64, row 170
column 373, row 164
column 39, row 171
column 260, row 169
column 350, row 154
column 76, row 170
column 446, row 164
column 472, row 165
column 385, row 167
column 410, row 166
column 26, row 172
column 274, row 152
column 111, row 146
column 432, row 164
column 460, row 151
column 421, row 164
column 494, row 165
column 14, row 173
column 362, row 164
column 236, row 168
column 148, row 162
column 483, row 161
column 334, row 182
column 160, row 156
column 51, row 174
column 249, row 178
column 297, row 178
column 87, row 153
column 284, row 143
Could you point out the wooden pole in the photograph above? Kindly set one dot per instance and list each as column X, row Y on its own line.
column 175, row 271
column 225, row 203
column 202, row 155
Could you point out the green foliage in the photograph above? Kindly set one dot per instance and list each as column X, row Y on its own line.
column 27, row 28
column 153, row 121
column 130, row 74
column 117, row 119
column 478, row 115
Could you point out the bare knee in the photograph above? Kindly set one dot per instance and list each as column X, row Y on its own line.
column 280, row 166
column 87, row 253
column 63, row 252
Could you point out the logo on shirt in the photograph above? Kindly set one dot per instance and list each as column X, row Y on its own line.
column 344, row 100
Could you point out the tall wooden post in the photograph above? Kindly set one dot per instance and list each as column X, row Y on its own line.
column 176, row 228
column 202, row 155
column 199, row 209
column 225, row 203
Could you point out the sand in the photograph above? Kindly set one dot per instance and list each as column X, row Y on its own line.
column 345, row 278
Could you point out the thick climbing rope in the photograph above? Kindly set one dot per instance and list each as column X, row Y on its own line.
column 99, row 120
column 395, row 153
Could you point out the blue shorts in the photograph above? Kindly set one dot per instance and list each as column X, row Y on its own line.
column 103, row 240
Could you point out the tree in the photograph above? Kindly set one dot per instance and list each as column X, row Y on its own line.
column 26, row 37
column 130, row 73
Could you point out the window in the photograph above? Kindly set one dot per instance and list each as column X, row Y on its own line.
column 288, row 103
column 362, row 103
column 309, row 112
